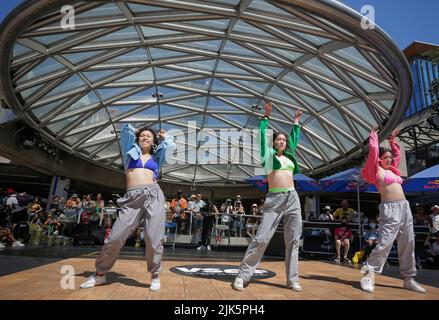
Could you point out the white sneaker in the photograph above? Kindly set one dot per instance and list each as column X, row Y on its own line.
column 238, row 284
column 17, row 244
column 2, row 245
column 367, row 283
column 93, row 281
column 411, row 284
column 155, row 284
column 200, row 248
column 209, row 248
column 295, row 286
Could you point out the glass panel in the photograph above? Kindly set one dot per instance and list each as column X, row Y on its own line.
column 232, row 48
column 58, row 126
column 42, row 111
column 148, row 114
column 104, row 10
column 353, row 55
column 100, row 115
column 211, row 122
column 315, row 40
column 106, row 94
column 105, row 133
column 206, row 65
column 230, row 68
column 295, row 80
column 48, row 66
column 361, row 110
column 167, row 110
column 218, row 85
column 144, row 75
column 269, row 70
column 199, row 102
column 47, row 40
column 316, row 127
column 335, row 118
column 279, row 94
column 258, row 86
column 132, row 56
column 211, row 45
column 89, row 99
column 112, row 149
column 336, row 93
column 20, row 50
column 215, row 104
column 71, row 83
column 75, row 138
column 157, row 32
column 327, row 151
column 317, row 66
column 242, row 27
column 28, row 92
column 116, row 111
column 75, row 58
column 317, row 105
column 220, row 24
column 157, row 53
column 291, row 55
column 266, row 7
column 128, row 33
column 170, row 92
column 95, row 76
column 388, row 104
column 202, row 84
column 366, row 85
column 137, row 7
column 145, row 94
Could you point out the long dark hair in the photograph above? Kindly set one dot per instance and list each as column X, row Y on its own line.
column 383, row 150
column 154, row 133
column 287, row 137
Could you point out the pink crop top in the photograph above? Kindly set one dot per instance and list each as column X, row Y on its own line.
column 390, row 177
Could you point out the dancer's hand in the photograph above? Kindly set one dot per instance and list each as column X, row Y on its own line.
column 393, row 135
column 297, row 115
column 268, row 108
column 163, row 133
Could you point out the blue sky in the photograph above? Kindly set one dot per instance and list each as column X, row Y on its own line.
column 404, row 20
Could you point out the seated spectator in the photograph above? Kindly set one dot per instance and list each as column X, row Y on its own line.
column 370, row 239
column 420, row 218
column 108, row 226
column 35, row 208
column 6, row 234
column 344, row 212
column 343, row 238
column 326, row 215
column 435, row 220
column 252, row 223
column 433, row 252
column 72, row 201
column 52, row 226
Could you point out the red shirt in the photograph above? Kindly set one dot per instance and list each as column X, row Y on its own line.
column 342, row 234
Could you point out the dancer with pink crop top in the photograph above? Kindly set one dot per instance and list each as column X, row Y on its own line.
column 395, row 219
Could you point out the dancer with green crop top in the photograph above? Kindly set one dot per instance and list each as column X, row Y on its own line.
column 282, row 202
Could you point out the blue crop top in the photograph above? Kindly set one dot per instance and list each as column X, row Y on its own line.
column 151, row 164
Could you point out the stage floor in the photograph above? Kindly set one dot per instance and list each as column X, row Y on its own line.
column 39, row 278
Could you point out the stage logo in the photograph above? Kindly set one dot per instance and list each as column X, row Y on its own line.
column 217, row 271
column 68, row 281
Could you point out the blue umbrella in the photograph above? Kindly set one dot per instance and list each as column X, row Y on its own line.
column 346, row 181
column 424, row 181
column 302, row 183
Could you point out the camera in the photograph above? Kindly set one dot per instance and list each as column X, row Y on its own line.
column 28, row 144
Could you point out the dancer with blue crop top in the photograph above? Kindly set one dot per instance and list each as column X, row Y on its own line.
column 143, row 199
column 395, row 219
column 282, row 202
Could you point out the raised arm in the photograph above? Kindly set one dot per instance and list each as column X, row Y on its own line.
column 127, row 137
column 295, row 132
column 369, row 170
column 264, row 149
column 165, row 148
column 394, row 146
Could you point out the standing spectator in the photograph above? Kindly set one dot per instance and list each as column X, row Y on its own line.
column 227, row 209
column 435, row 220
column 237, row 222
column 261, row 205
column 35, row 208
column 71, row 202
column 344, row 211
column 326, row 215
column 209, row 210
column 343, row 238
column 420, row 218
column 253, row 222
column 197, row 204
column 433, row 251
column 178, row 205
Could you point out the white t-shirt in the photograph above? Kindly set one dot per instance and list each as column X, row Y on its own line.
column 12, row 201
